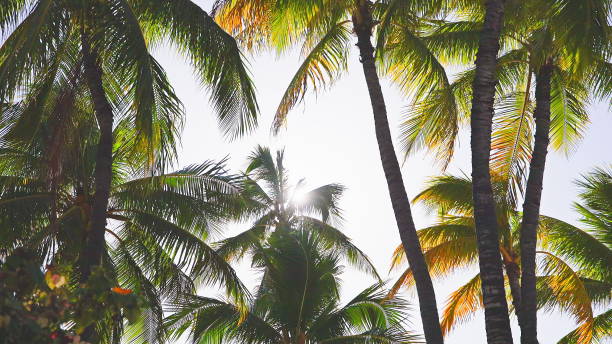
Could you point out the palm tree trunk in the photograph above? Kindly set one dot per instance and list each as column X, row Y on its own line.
column 497, row 322
column 362, row 22
column 514, row 273
column 531, row 206
column 92, row 254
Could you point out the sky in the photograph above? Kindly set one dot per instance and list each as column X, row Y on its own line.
column 330, row 139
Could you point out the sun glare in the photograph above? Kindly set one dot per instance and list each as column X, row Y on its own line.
column 300, row 196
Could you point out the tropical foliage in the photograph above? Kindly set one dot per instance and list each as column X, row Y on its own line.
column 574, row 276
column 297, row 301
column 274, row 206
column 156, row 243
column 104, row 240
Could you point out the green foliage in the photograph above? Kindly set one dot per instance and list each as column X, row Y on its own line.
column 297, row 299
column 573, row 262
column 44, row 309
column 274, row 208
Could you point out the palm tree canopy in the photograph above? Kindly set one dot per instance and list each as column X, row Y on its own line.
column 159, row 224
column 43, row 35
column 275, row 208
column 296, row 302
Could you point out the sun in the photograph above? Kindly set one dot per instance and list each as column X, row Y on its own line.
column 299, row 197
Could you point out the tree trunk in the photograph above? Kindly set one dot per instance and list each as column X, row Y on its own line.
column 531, row 206
column 514, row 273
column 497, row 322
column 91, row 256
column 104, row 160
column 362, row 22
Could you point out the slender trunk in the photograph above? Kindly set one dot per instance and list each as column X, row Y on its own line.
column 91, row 256
column 531, row 207
column 104, row 160
column 514, row 273
column 362, row 22
column 497, row 322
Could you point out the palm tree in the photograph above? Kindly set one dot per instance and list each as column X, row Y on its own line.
column 112, row 40
column 157, row 236
column 535, row 40
column 297, row 302
column 554, row 46
column 324, row 29
column 573, row 278
column 497, row 323
column 274, row 207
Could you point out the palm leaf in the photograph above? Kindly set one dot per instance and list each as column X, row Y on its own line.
column 321, row 66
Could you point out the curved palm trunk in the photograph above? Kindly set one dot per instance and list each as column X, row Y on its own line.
column 497, row 322
column 362, row 22
column 92, row 254
column 531, row 207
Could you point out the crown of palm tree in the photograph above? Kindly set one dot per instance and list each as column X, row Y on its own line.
column 159, row 224
column 41, row 35
column 274, row 208
column 297, row 302
column 537, row 33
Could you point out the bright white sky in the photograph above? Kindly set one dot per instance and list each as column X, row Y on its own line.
column 330, row 139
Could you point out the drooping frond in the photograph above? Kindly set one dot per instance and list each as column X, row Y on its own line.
column 335, row 240
column 433, row 123
column 511, row 142
column 462, row 304
column 569, row 117
column 214, row 54
column 412, row 65
column 30, row 46
column 248, row 21
column 433, row 120
column 562, row 287
column 601, row 328
column 454, row 42
column 322, row 65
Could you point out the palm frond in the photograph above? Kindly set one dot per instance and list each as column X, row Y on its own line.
column 462, row 304
column 214, row 54
column 600, row 329
column 334, row 239
column 569, row 117
column 562, row 287
column 322, row 201
column 322, row 65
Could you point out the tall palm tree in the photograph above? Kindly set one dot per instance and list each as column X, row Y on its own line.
column 535, row 41
column 573, row 278
column 297, row 302
column 553, row 47
column 157, row 236
column 274, row 207
column 497, row 323
column 324, row 29
column 113, row 40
